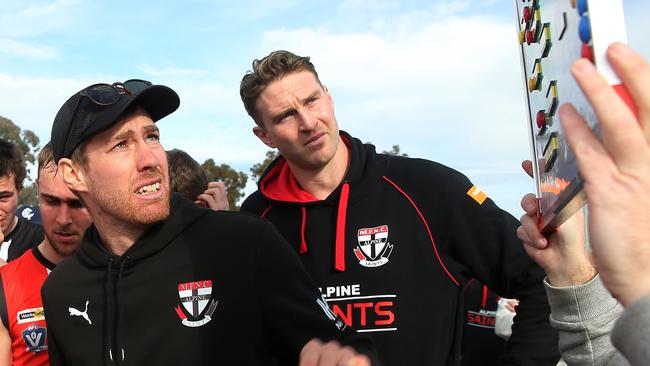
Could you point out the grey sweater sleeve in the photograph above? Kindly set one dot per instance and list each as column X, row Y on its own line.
column 631, row 335
column 584, row 315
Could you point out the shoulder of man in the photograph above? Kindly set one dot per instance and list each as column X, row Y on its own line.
column 256, row 203
column 57, row 281
column 237, row 225
column 4, row 312
column 28, row 233
column 422, row 175
column 10, row 281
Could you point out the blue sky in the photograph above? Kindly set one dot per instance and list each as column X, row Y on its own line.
column 440, row 78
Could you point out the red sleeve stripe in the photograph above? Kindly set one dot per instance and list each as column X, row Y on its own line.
column 265, row 211
column 435, row 248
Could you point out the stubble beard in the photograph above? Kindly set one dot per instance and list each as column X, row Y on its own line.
column 62, row 249
column 122, row 207
column 316, row 160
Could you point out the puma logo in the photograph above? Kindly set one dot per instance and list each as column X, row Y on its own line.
column 83, row 314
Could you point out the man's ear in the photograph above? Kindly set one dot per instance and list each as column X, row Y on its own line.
column 73, row 175
column 263, row 136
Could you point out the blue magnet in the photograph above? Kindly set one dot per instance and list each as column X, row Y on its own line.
column 584, row 29
column 582, row 7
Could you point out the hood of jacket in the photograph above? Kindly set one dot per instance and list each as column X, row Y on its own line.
column 279, row 186
column 94, row 254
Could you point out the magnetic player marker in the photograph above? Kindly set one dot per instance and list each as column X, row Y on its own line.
column 547, row 40
column 584, row 29
column 587, row 51
column 582, row 7
column 564, row 26
column 550, row 151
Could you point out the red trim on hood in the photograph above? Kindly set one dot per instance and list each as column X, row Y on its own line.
column 266, row 211
column 339, row 246
column 435, row 248
column 280, row 185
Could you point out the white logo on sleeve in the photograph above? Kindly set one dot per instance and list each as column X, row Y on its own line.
column 28, row 213
column 4, row 249
column 84, row 314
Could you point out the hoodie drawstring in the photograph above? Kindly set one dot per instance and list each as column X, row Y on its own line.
column 339, row 246
column 303, row 224
column 108, row 334
column 118, row 337
column 114, row 329
column 339, row 240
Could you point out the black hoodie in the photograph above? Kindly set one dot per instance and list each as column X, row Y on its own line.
column 23, row 237
column 200, row 288
column 392, row 247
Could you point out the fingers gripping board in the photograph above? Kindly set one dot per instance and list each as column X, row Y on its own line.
column 553, row 34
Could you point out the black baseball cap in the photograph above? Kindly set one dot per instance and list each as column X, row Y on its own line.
column 80, row 117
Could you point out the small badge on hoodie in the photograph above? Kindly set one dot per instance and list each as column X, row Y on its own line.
column 373, row 249
column 476, row 194
column 197, row 303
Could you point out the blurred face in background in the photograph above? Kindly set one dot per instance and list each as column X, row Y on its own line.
column 8, row 203
column 63, row 216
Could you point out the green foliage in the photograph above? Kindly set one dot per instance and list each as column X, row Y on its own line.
column 394, row 151
column 258, row 169
column 29, row 195
column 27, row 142
column 235, row 181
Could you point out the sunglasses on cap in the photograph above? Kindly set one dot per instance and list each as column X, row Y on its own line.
column 107, row 94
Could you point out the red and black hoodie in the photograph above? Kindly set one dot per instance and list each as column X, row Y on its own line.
column 392, row 247
column 199, row 288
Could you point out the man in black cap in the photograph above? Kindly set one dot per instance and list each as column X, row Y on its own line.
column 162, row 283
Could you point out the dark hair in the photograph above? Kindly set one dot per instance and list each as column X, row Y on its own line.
column 185, row 174
column 267, row 70
column 12, row 163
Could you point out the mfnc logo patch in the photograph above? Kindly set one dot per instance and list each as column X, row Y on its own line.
column 373, row 249
column 195, row 298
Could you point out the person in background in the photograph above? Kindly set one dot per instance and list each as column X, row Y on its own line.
column 480, row 345
column 188, row 178
column 19, row 235
column 23, row 331
column 596, row 327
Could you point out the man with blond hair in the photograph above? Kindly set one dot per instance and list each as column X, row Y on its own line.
column 391, row 241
